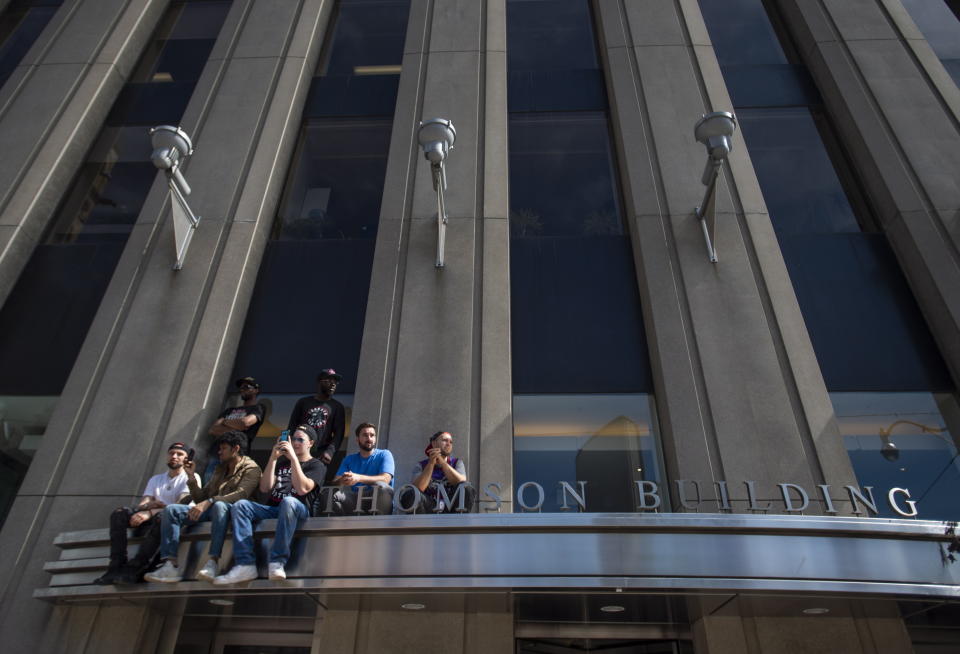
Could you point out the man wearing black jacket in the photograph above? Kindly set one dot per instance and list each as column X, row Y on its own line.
column 323, row 413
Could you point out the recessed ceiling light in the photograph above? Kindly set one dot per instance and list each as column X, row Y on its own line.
column 221, row 602
column 612, row 608
column 816, row 610
column 413, row 606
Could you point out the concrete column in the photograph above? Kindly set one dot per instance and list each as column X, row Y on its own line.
column 436, row 345
column 755, row 625
column 52, row 108
column 160, row 351
column 897, row 113
column 737, row 381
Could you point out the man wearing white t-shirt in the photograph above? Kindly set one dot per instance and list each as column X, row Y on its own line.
column 168, row 487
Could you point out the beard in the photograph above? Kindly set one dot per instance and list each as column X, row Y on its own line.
column 367, row 448
column 173, row 465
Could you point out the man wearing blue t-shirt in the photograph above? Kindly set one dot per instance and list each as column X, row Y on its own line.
column 365, row 478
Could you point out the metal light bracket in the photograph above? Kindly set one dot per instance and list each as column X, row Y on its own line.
column 436, row 137
column 171, row 146
column 714, row 131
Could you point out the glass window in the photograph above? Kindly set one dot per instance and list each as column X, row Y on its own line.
column 545, row 35
column 940, row 25
column 336, row 182
column 741, row 33
column 785, row 144
column 367, row 38
column 904, row 440
column 23, row 421
column 311, row 295
column 607, row 441
column 20, row 26
column 562, row 179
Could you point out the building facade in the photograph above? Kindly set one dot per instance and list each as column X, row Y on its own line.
column 756, row 454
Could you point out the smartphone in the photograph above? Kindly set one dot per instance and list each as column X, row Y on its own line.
column 190, row 454
column 285, row 435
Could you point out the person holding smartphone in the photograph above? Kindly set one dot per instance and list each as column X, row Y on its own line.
column 291, row 479
column 168, row 487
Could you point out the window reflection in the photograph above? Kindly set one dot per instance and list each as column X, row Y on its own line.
column 607, row 441
column 23, row 421
column 548, row 35
column 367, row 38
column 940, row 24
column 785, row 144
column 336, row 183
column 741, row 33
column 562, row 179
column 922, row 455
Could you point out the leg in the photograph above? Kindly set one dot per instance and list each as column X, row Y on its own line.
column 119, row 522
column 174, row 516
column 292, row 512
column 344, row 501
column 219, row 517
column 244, row 515
column 384, row 498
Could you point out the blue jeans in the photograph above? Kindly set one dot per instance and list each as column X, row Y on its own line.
column 290, row 514
column 175, row 516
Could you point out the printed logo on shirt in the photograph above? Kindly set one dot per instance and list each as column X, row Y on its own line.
column 317, row 417
column 283, row 485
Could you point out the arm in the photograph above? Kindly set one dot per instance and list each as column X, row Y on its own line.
column 421, row 479
column 336, row 429
column 249, row 480
column 243, row 423
column 197, row 494
column 454, row 475
column 301, row 483
column 218, row 428
column 269, row 476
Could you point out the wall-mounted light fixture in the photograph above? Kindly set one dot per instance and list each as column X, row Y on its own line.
column 436, row 137
column 171, row 146
column 714, row 131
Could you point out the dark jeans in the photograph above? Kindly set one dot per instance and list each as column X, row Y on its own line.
column 149, row 530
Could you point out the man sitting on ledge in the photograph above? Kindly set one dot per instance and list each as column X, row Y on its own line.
column 368, row 474
column 290, row 479
column 162, row 489
column 236, row 478
column 442, row 478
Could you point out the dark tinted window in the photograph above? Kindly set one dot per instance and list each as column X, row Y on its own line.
column 20, row 25
column 308, row 309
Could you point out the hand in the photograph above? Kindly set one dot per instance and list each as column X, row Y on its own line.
column 436, row 455
column 188, row 467
column 198, row 509
column 346, row 479
column 326, row 458
column 284, row 448
column 139, row 518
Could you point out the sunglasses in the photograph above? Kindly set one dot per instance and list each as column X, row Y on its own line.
column 298, row 439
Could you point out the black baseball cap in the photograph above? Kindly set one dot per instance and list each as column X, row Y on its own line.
column 309, row 431
column 247, row 380
column 178, row 446
column 329, row 373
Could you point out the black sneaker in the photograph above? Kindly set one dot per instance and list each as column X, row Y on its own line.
column 109, row 577
column 130, row 574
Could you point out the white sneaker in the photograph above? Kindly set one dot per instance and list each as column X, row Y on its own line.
column 167, row 574
column 208, row 571
column 237, row 574
column 277, row 573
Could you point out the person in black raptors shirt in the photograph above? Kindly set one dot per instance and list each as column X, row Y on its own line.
column 323, row 413
column 246, row 418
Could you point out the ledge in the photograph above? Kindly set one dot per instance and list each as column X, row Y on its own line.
column 485, row 552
